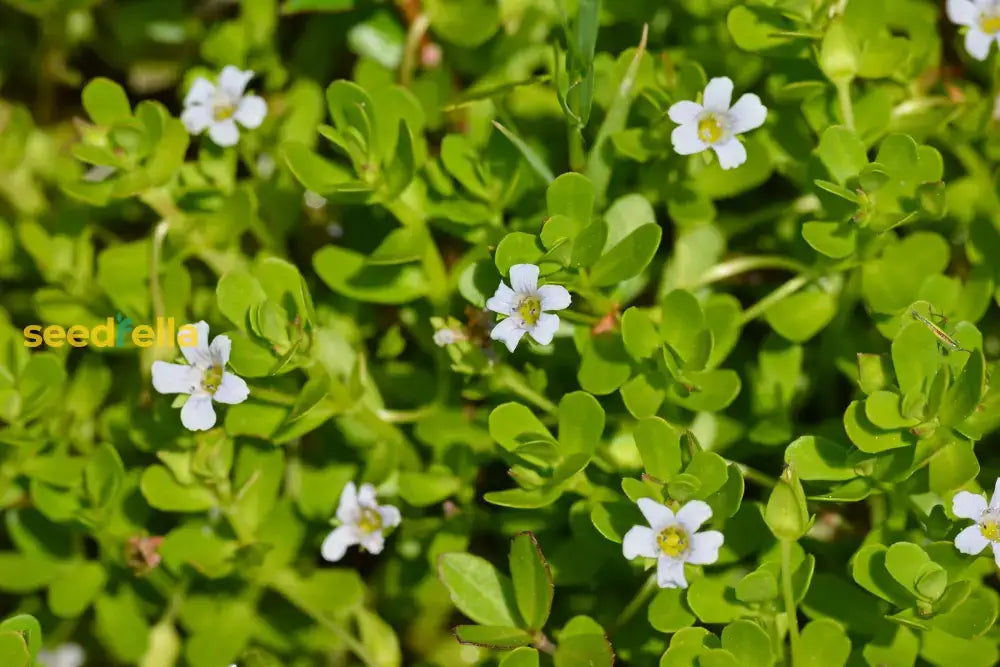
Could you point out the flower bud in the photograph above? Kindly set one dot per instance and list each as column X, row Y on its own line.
column 786, row 513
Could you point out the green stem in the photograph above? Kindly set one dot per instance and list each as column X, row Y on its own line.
column 786, row 290
column 156, row 293
column 414, row 37
column 577, row 152
column 844, row 99
column 754, row 475
column 352, row 644
column 271, row 396
column 515, row 383
column 641, row 597
column 788, row 592
column 740, row 265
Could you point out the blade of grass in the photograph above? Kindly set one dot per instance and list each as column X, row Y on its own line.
column 533, row 158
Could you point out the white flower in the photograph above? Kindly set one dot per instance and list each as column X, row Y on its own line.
column 526, row 307
column 64, row 655
column 99, row 173
column 713, row 124
column 983, row 20
column 362, row 521
column 673, row 540
column 313, row 200
column 447, row 336
column 204, row 377
column 986, row 531
column 218, row 108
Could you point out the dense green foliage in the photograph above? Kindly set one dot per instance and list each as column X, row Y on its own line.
column 797, row 347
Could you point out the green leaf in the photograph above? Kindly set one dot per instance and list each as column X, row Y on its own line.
column 801, row 316
column 964, row 395
column 823, row 644
column 758, row 586
column 478, row 590
column 667, row 611
column 162, row 491
column 868, row 568
column 346, row 272
column 302, row 6
column 869, row 438
column 572, row 195
column 521, row 657
column 842, row 153
column 581, row 423
column 13, row 649
column 517, row 248
column 75, row 589
column 816, row 458
column 583, row 642
column 466, row 23
column 748, row 642
column 492, row 636
column 105, row 102
column 628, row 258
column 659, row 445
column 104, row 475
column 833, row 239
column 532, row 581
column 29, row 629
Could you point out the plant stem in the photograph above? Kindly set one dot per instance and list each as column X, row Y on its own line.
column 844, row 99
column 414, row 37
column 789, row 288
column 641, row 597
column 349, row 640
column 754, row 475
column 789, row 595
column 740, row 265
column 515, row 383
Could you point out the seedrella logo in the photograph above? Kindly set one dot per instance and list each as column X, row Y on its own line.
column 119, row 331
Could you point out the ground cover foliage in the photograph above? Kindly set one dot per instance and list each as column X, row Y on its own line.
column 525, row 332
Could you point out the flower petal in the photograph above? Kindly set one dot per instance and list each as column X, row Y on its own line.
column 196, row 118
column 705, row 547
column 232, row 390
column 251, row 111
column 337, row 542
column 175, row 378
column 996, row 552
column 509, row 332
column 219, row 349
column 224, row 133
column 198, row 413
column 366, row 495
column 554, row 297
column 640, row 541
column 747, row 114
column 693, row 514
column 718, row 94
column 201, row 92
column 347, row 508
column 373, row 542
column 962, row 12
column 731, row 153
column 503, row 301
column 684, row 112
column 233, row 81
column 670, row 573
column 971, row 541
column 658, row 515
column 545, row 328
column 967, row 505
column 685, row 140
column 390, row 516
column 197, row 355
column 524, row 278
column 977, row 43
column 995, row 498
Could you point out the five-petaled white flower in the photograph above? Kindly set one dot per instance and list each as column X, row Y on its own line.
column 204, row 377
column 713, row 124
column 986, row 531
column 362, row 521
column 673, row 540
column 982, row 17
column 64, row 655
column 526, row 307
column 218, row 108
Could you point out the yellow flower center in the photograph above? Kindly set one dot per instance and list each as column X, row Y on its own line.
column 990, row 23
column 709, row 129
column 673, row 541
column 223, row 111
column 990, row 528
column 212, row 379
column 370, row 520
column 530, row 309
